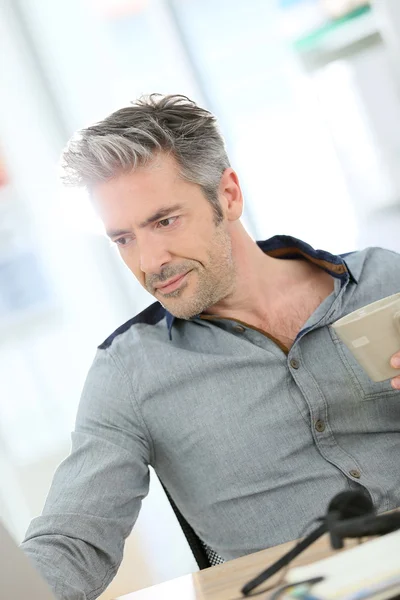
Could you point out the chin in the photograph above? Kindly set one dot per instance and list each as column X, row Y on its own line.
column 185, row 315
column 181, row 312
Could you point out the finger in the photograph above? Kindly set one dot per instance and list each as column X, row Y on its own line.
column 395, row 383
column 395, row 360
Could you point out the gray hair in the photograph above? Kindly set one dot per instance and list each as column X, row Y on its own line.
column 132, row 136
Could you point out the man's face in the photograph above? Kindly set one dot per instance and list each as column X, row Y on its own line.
column 167, row 236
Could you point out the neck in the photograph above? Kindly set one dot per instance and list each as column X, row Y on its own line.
column 261, row 282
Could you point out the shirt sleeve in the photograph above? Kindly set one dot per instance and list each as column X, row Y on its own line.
column 96, row 494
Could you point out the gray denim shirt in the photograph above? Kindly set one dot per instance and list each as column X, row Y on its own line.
column 250, row 440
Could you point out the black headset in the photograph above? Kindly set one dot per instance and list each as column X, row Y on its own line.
column 350, row 514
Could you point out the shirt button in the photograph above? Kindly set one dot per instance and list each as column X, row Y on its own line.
column 320, row 425
column 294, row 363
column 355, row 473
column 239, row 329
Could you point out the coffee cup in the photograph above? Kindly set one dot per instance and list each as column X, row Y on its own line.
column 372, row 334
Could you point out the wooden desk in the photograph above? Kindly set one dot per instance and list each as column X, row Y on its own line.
column 224, row 582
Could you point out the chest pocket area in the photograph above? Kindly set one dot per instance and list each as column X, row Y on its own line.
column 365, row 388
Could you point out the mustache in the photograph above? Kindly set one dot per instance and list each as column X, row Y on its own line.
column 167, row 273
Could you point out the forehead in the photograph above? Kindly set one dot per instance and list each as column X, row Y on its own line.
column 137, row 189
column 160, row 172
column 135, row 195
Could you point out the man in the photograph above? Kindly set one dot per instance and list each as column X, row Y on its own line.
column 232, row 385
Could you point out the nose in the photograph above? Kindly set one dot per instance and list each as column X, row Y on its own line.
column 153, row 256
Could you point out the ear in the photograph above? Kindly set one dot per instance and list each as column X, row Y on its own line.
column 230, row 195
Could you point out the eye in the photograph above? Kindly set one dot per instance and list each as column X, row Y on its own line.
column 164, row 223
column 123, row 241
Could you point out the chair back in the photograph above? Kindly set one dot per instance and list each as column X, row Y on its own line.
column 204, row 555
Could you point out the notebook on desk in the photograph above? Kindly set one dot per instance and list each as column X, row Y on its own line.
column 18, row 578
column 370, row 570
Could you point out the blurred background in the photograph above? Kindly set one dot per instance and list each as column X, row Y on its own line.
column 307, row 96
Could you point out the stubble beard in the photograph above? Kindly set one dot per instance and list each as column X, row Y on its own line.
column 214, row 281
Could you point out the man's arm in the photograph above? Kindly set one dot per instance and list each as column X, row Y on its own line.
column 77, row 543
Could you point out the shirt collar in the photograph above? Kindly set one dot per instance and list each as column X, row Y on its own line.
column 286, row 246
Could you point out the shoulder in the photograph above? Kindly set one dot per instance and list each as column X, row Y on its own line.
column 123, row 354
column 375, row 266
column 371, row 255
column 150, row 316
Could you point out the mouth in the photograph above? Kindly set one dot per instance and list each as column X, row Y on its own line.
column 172, row 284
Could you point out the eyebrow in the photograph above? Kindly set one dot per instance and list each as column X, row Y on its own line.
column 157, row 216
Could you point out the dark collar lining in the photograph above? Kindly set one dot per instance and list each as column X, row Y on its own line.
column 285, row 246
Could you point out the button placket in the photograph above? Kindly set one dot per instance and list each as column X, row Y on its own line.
column 301, row 374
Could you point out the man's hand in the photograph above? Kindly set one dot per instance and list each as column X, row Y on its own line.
column 395, row 363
